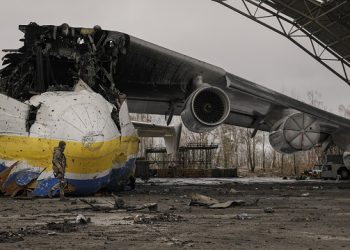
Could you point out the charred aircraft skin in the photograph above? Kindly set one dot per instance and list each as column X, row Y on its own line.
column 156, row 80
column 56, row 57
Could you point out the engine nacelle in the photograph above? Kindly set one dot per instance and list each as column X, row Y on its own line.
column 296, row 132
column 206, row 108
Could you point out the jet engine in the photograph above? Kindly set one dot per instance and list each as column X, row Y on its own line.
column 205, row 109
column 296, row 132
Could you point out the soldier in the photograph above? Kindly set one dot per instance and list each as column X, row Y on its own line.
column 59, row 165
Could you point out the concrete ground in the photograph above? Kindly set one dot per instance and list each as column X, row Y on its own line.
column 277, row 214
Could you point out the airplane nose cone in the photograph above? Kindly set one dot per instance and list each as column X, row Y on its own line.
column 79, row 117
column 89, row 124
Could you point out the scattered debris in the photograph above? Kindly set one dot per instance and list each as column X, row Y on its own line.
column 62, row 227
column 28, row 198
column 150, row 206
column 138, row 219
column 97, row 207
column 305, row 219
column 238, row 202
column 169, row 217
column 119, row 203
column 162, row 217
column 228, row 204
column 202, row 200
column 222, row 205
column 269, row 210
column 233, row 191
column 253, row 203
column 300, row 215
column 92, row 201
column 172, row 208
column 10, row 237
column 15, row 236
column 81, row 219
column 243, row 216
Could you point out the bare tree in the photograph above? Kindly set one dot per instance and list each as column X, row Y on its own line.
column 250, row 149
column 263, row 151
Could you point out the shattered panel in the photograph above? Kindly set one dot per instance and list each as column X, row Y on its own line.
column 13, row 115
column 54, row 58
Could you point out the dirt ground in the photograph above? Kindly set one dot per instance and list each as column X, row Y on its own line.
column 275, row 215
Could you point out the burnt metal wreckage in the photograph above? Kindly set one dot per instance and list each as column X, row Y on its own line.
column 62, row 85
column 54, row 58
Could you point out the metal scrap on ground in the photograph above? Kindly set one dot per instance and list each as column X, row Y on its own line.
column 203, row 200
column 120, row 205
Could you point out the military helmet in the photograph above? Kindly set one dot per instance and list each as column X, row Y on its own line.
column 61, row 144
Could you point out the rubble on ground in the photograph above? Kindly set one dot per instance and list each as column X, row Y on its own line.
column 272, row 215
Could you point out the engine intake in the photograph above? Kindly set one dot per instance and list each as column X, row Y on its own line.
column 206, row 108
column 296, row 132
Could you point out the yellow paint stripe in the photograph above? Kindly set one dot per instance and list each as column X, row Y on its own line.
column 97, row 157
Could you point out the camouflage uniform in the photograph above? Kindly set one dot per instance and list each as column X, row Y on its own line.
column 59, row 165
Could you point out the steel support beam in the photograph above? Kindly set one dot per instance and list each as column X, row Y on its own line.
column 262, row 13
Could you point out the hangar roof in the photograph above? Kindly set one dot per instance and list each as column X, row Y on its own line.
column 327, row 20
column 324, row 23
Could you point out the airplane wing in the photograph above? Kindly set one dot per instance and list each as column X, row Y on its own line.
column 165, row 81
column 160, row 81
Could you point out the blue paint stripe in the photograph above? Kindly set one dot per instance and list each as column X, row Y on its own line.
column 45, row 186
column 112, row 181
column 2, row 167
column 120, row 176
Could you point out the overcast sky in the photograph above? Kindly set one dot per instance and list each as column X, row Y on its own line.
column 198, row 28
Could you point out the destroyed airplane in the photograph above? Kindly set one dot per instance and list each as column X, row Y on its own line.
column 79, row 84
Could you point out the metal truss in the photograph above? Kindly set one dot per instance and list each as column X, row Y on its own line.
column 263, row 12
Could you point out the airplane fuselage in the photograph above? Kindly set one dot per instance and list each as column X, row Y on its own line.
column 98, row 154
